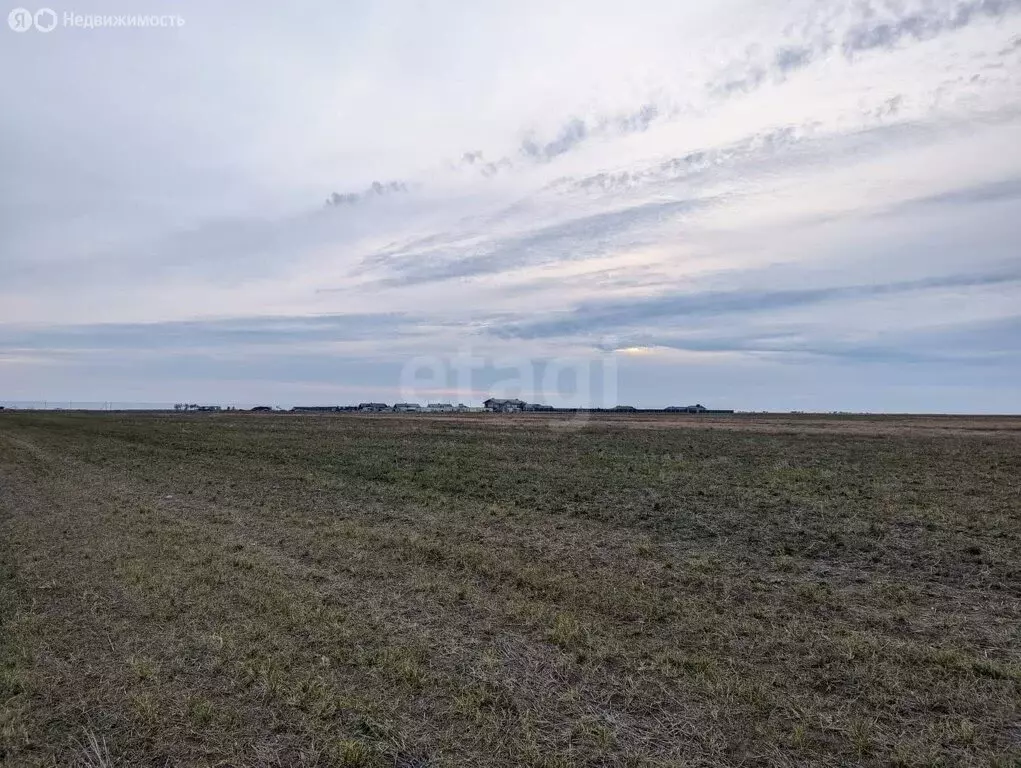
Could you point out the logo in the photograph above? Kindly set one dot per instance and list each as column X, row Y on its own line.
column 45, row 20
column 22, row 20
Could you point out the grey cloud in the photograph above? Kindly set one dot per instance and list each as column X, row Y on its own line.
column 793, row 57
column 888, row 108
column 998, row 191
column 869, row 33
column 835, row 350
column 376, row 189
column 228, row 332
column 872, row 31
column 491, row 169
column 637, row 121
column 924, row 25
column 610, row 316
column 472, row 253
column 785, row 148
column 578, row 238
column 573, row 133
column 987, row 343
column 785, row 59
column 999, row 335
column 688, row 166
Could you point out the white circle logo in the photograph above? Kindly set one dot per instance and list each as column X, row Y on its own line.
column 45, row 20
column 20, row 20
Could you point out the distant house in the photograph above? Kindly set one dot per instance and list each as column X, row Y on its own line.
column 261, row 409
column 497, row 405
column 314, row 409
column 697, row 408
column 537, row 407
column 373, row 407
column 440, row 408
column 407, row 408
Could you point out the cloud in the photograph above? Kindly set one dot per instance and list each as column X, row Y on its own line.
column 582, row 237
column 576, row 131
column 599, row 317
column 376, row 189
column 689, row 166
column 872, row 27
column 986, row 344
column 886, row 32
column 878, row 27
column 572, row 134
column 997, row 191
column 195, row 334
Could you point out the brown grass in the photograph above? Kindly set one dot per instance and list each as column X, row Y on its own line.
column 241, row 590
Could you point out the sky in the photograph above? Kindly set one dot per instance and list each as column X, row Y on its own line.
column 805, row 205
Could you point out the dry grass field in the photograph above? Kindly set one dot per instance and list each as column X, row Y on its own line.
column 249, row 590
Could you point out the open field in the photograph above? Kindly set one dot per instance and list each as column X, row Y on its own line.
column 245, row 590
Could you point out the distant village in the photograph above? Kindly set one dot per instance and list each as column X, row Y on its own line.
column 492, row 405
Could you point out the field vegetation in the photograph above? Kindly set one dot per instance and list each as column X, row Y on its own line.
column 280, row 590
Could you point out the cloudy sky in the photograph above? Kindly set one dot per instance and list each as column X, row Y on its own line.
column 788, row 205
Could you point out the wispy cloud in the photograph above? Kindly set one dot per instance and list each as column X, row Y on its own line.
column 877, row 27
column 582, row 237
column 225, row 332
column 887, row 30
column 376, row 189
column 598, row 317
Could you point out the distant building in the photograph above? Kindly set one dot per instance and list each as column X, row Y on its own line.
column 373, row 407
column 314, row 409
column 537, row 407
column 440, row 408
column 625, row 408
column 261, row 409
column 497, row 405
column 697, row 408
column 407, row 408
